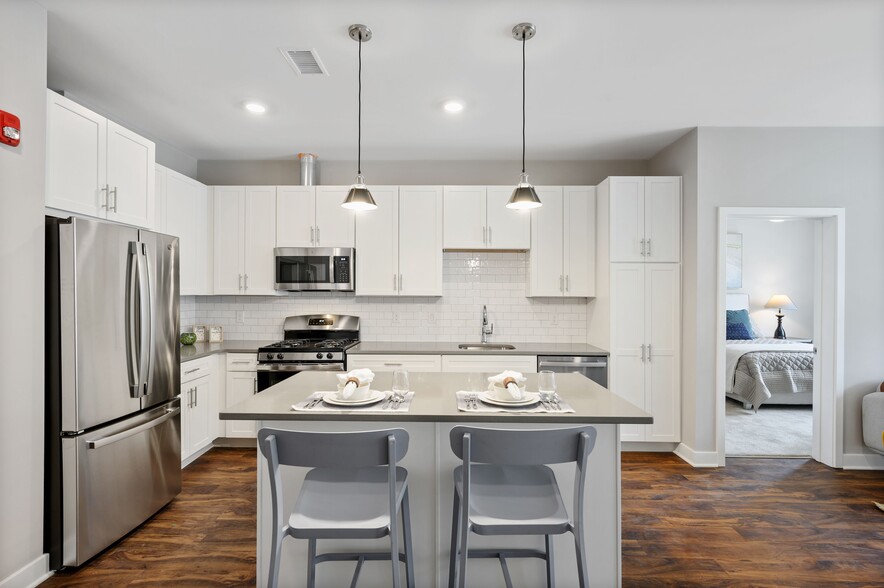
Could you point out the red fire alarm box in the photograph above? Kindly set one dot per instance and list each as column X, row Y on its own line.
column 10, row 128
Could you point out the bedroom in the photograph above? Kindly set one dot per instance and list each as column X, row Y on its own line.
column 771, row 271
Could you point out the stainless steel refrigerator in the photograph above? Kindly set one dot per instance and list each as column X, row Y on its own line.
column 113, row 428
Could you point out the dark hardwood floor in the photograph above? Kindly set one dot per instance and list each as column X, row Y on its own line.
column 757, row 522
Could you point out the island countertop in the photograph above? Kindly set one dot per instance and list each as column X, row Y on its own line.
column 445, row 348
column 435, row 401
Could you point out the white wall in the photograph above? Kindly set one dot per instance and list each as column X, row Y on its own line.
column 470, row 280
column 22, row 173
column 288, row 172
column 778, row 258
column 800, row 167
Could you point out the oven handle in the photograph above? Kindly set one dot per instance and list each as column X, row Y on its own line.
column 289, row 367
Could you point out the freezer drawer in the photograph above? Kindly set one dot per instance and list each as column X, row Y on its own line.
column 116, row 477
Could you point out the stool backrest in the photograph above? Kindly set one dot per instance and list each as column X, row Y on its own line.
column 330, row 450
column 523, row 446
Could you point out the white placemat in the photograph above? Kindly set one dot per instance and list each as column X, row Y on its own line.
column 479, row 406
column 384, row 406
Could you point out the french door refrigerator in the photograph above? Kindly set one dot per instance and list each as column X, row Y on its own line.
column 113, row 428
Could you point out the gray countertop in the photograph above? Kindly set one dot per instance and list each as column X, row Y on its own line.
column 434, row 401
column 444, row 348
column 202, row 349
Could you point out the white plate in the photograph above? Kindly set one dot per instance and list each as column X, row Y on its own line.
column 373, row 396
column 529, row 399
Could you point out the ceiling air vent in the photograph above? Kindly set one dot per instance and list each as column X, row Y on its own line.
column 305, row 62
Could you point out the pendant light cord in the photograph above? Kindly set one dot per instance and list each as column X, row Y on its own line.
column 523, row 103
column 359, row 135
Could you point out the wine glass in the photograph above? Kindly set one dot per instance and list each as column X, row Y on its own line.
column 400, row 385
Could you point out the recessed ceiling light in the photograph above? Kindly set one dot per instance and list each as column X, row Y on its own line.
column 453, row 106
column 255, row 107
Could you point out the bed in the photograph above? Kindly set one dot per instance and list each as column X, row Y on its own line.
column 765, row 370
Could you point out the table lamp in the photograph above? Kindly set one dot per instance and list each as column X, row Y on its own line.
column 780, row 301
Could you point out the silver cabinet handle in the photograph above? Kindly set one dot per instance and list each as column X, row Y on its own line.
column 101, row 442
column 395, row 284
column 191, row 371
column 561, row 283
column 196, row 397
column 311, row 234
column 241, row 361
column 643, row 353
column 392, row 364
column 188, row 397
column 643, row 247
column 649, row 353
column 317, row 234
column 256, row 385
column 247, row 282
column 240, row 281
column 489, row 234
column 485, row 235
column 567, row 283
column 114, row 192
column 400, row 282
column 649, row 247
column 106, row 190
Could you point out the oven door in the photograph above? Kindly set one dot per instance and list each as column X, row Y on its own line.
column 314, row 268
column 270, row 374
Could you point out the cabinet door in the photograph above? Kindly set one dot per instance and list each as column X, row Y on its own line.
column 260, row 239
column 240, row 386
column 420, row 241
column 377, row 245
column 627, row 223
column 579, row 240
column 663, row 219
column 195, row 407
column 463, row 225
column 131, row 175
column 228, row 242
column 662, row 323
column 335, row 226
column 390, row 363
column 76, row 157
column 159, row 200
column 509, row 228
column 295, row 216
column 627, row 369
column 185, row 216
column 492, row 364
column 547, row 247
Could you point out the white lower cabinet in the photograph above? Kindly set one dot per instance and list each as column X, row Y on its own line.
column 390, row 363
column 199, row 409
column 242, row 383
column 527, row 364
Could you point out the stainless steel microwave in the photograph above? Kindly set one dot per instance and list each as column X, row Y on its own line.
column 315, row 269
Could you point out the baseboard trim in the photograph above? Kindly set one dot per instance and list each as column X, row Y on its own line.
column 863, row 461
column 652, row 446
column 196, row 455
column 698, row 459
column 29, row 576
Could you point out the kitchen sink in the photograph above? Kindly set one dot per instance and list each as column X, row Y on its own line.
column 486, row 347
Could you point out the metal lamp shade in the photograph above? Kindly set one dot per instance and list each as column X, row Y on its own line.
column 359, row 198
column 524, row 196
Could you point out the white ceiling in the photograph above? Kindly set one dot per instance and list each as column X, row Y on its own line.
column 608, row 79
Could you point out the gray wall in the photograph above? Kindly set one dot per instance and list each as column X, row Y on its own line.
column 22, row 173
column 288, row 172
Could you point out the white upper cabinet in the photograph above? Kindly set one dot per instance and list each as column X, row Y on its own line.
column 244, row 237
column 562, row 258
column 476, row 217
column 645, row 219
column 97, row 168
column 399, row 245
column 182, row 210
column 312, row 216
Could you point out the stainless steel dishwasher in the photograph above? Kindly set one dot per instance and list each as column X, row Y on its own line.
column 594, row 367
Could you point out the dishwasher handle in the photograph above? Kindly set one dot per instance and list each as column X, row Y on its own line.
column 572, row 364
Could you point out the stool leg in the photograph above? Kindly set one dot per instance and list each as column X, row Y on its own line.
column 406, row 533
column 311, row 563
column 275, row 553
column 550, row 563
column 394, row 553
column 452, row 557
column 580, row 546
column 464, row 545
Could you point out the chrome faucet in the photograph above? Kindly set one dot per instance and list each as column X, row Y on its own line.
column 487, row 329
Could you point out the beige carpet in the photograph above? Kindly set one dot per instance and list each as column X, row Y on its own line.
column 782, row 431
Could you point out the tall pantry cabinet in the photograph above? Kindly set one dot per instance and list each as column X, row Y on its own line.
column 637, row 310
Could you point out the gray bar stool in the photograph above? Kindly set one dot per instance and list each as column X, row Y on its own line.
column 504, row 487
column 347, row 495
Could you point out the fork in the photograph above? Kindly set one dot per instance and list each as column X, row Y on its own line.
column 473, row 401
column 314, row 402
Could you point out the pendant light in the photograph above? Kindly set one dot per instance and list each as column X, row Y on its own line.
column 524, row 196
column 359, row 198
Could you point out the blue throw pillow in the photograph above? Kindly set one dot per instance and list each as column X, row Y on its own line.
column 741, row 317
column 738, row 331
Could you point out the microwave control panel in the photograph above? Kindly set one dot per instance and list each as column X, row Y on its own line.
column 342, row 270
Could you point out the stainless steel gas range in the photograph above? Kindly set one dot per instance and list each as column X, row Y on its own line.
column 312, row 342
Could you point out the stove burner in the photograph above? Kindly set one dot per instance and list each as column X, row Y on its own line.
column 308, row 344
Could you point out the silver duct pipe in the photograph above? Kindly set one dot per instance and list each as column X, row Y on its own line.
column 308, row 168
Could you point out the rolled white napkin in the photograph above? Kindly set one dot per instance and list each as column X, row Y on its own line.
column 511, row 380
column 356, row 378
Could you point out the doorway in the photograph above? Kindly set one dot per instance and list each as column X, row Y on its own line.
column 827, row 301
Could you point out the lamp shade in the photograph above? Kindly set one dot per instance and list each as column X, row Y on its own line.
column 781, row 302
column 359, row 198
column 524, row 196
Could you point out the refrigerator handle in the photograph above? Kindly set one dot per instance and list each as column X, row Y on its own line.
column 148, row 335
column 102, row 441
column 132, row 319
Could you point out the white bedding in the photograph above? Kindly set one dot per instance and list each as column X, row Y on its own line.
column 738, row 348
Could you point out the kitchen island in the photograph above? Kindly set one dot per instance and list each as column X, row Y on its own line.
column 432, row 414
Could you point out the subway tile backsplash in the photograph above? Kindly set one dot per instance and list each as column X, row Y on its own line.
column 498, row 280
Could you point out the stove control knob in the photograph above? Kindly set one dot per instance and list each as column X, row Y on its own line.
column 269, row 356
column 318, row 356
column 279, row 356
column 328, row 355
